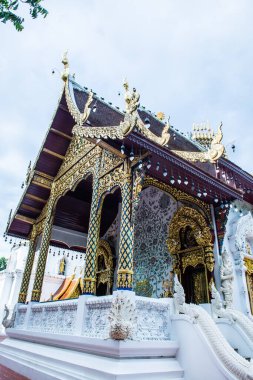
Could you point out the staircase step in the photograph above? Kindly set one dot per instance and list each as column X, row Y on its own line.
column 40, row 362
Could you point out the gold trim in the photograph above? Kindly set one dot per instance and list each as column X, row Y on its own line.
column 104, row 276
column 184, row 217
column 249, row 265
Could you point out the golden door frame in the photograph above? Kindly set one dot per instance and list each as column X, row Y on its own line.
column 104, row 276
column 202, row 253
column 249, row 279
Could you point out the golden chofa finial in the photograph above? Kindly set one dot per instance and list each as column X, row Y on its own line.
column 65, row 62
column 131, row 99
column 125, row 84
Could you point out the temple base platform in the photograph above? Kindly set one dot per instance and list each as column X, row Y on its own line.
column 94, row 359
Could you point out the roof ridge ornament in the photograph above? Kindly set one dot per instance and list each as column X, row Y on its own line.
column 79, row 117
column 131, row 120
column 132, row 99
column 65, row 61
column 212, row 155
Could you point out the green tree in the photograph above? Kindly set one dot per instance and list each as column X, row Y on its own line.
column 8, row 11
column 3, row 263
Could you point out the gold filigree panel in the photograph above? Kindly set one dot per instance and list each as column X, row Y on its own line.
column 78, row 148
column 76, row 173
column 109, row 161
column 105, row 274
column 249, row 278
column 192, row 257
column 184, row 217
column 249, row 265
column 117, row 177
column 68, row 181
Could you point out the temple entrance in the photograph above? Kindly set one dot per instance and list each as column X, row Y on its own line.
column 190, row 244
column 249, row 278
column 195, row 284
column 104, row 269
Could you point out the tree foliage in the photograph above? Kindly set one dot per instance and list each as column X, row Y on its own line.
column 3, row 263
column 8, row 11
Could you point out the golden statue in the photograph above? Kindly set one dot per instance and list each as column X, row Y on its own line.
column 62, row 266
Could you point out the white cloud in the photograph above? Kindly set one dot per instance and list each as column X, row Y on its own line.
column 190, row 59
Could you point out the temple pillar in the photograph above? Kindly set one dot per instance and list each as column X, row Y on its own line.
column 125, row 267
column 28, row 267
column 42, row 260
column 93, row 237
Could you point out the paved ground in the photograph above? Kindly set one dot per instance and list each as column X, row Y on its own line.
column 6, row 373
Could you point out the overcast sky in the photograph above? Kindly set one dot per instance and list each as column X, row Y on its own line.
column 190, row 59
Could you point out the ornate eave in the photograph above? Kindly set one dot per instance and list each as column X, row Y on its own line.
column 202, row 178
column 109, row 128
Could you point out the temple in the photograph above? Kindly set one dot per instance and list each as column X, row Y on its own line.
column 140, row 261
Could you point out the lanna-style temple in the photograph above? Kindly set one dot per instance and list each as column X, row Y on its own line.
column 163, row 222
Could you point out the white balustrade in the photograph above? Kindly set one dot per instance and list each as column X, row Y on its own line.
column 88, row 317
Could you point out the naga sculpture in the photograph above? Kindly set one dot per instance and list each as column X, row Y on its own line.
column 8, row 322
column 179, row 295
column 218, row 310
column 212, row 155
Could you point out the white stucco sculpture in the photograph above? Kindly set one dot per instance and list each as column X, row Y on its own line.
column 226, row 273
column 122, row 317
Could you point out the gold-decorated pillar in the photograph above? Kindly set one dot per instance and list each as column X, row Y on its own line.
column 28, row 267
column 125, row 267
column 93, row 237
column 41, row 266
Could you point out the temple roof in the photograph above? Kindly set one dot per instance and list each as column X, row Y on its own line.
column 235, row 183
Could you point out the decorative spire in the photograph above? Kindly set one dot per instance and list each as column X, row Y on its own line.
column 65, row 62
column 203, row 134
column 131, row 99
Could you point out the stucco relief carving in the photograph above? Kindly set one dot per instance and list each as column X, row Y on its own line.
column 149, row 318
column 53, row 317
column 152, row 320
column 20, row 317
column 244, row 233
column 96, row 322
column 226, row 274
